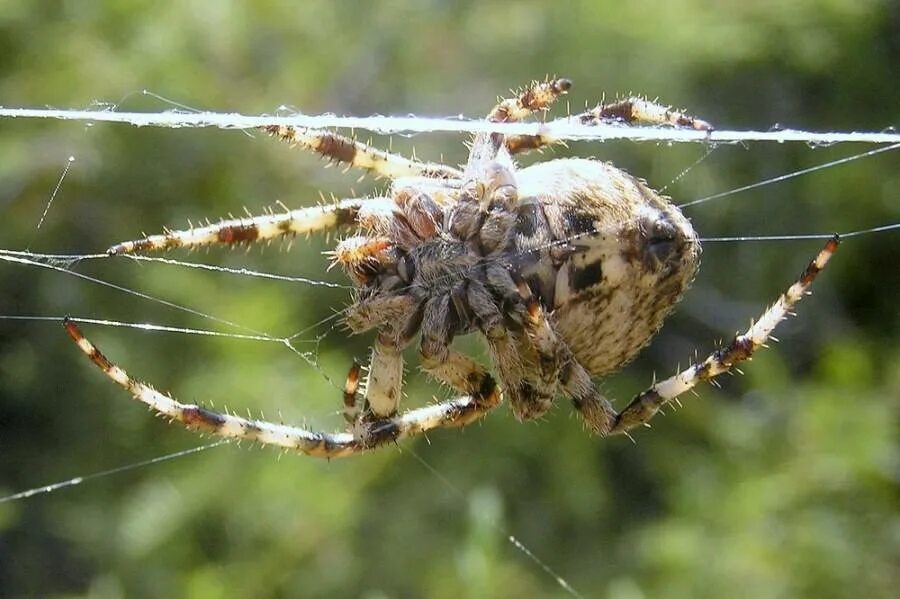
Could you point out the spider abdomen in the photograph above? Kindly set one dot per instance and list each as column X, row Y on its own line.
column 622, row 256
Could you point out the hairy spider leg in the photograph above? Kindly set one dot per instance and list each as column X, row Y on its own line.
column 636, row 110
column 384, row 380
column 384, row 383
column 547, row 347
column 339, row 148
column 535, row 97
column 643, row 407
column 530, row 393
column 450, row 367
column 484, row 396
column 576, row 382
column 632, row 111
column 556, row 367
column 263, row 227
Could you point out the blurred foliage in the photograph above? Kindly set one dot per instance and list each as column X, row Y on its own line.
column 783, row 483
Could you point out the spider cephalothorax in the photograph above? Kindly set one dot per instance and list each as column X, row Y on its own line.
column 566, row 268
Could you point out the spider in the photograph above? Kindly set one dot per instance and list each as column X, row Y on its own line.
column 566, row 268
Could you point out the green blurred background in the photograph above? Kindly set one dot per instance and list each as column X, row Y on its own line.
column 783, row 483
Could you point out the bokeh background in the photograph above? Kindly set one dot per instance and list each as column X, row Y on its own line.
column 783, row 483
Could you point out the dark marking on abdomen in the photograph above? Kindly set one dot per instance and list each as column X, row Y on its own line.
column 579, row 223
column 586, row 276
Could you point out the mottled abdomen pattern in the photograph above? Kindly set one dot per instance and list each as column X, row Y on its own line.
column 621, row 256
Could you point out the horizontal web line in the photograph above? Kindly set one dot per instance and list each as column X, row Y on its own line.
column 562, row 129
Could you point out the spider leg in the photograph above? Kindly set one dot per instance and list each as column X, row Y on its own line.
column 643, row 407
column 379, row 310
column 465, row 375
column 453, row 368
column 635, row 110
column 596, row 411
column 381, row 431
column 356, row 154
column 263, row 227
column 556, row 363
column 527, row 399
column 400, row 317
column 521, row 144
column 434, row 345
column 449, row 367
column 529, row 367
column 556, row 366
column 536, row 97
column 542, row 336
column 631, row 111
column 384, row 383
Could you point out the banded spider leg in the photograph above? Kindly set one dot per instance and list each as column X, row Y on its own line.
column 629, row 111
column 484, row 394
